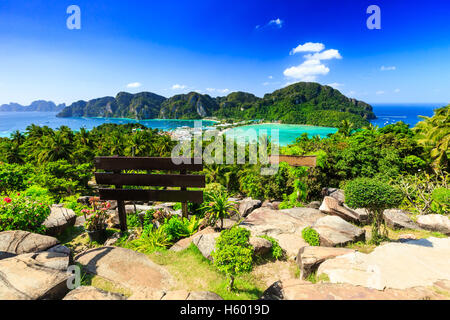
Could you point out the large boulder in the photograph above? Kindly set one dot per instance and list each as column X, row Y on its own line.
column 335, row 231
column 206, row 243
column 284, row 225
column 92, row 293
column 398, row 219
column 34, row 276
column 260, row 246
column 394, row 265
column 247, row 206
column 297, row 289
column 332, row 206
column 335, row 193
column 186, row 242
column 435, row 222
column 309, row 258
column 18, row 242
column 127, row 268
column 60, row 219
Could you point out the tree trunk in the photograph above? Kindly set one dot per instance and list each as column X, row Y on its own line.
column 231, row 284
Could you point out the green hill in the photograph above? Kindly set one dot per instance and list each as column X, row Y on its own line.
column 302, row 103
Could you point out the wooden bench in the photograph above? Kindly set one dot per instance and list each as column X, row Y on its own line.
column 114, row 176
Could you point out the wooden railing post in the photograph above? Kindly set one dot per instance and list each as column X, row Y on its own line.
column 121, row 210
column 184, row 205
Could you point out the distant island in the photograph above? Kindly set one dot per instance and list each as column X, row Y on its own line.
column 35, row 106
column 299, row 103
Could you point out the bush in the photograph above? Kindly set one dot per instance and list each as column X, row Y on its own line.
column 22, row 213
column 376, row 196
column 14, row 177
column 233, row 254
column 311, row 236
column 276, row 251
column 441, row 200
column 39, row 194
column 215, row 188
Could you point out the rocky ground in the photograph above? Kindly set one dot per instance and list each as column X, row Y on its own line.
column 415, row 264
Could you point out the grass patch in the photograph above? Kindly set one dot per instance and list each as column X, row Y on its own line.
column 195, row 273
column 322, row 278
column 361, row 247
column 419, row 234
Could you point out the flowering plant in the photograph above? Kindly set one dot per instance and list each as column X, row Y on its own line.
column 18, row 212
column 97, row 216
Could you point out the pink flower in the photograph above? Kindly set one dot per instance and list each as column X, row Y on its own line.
column 7, row 200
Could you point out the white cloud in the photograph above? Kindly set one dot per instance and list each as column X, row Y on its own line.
column 214, row 90
column 312, row 66
column 397, row 90
column 380, row 92
column 270, row 77
column 134, row 85
column 336, row 85
column 307, row 71
column 178, row 87
column 308, row 47
column 390, row 68
column 324, row 55
column 275, row 23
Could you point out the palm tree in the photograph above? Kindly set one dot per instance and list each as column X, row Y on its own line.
column 55, row 147
column 346, row 128
column 434, row 135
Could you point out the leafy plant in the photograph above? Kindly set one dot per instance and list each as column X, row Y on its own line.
column 18, row 212
column 311, row 236
column 441, row 198
column 151, row 239
column 97, row 216
column 376, row 196
column 276, row 251
column 218, row 207
column 233, row 254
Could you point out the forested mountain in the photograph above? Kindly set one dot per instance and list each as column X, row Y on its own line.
column 302, row 102
column 39, row 105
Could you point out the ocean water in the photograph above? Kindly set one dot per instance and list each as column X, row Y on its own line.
column 287, row 133
column 12, row 121
column 408, row 113
column 386, row 113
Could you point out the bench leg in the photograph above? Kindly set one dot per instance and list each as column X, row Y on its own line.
column 122, row 216
column 184, row 209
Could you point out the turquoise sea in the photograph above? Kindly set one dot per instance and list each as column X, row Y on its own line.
column 386, row 113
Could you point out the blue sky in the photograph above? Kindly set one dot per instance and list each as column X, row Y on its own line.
column 171, row 47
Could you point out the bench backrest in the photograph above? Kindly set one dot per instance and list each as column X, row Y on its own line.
column 114, row 176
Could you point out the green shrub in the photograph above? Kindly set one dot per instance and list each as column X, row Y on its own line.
column 276, row 251
column 22, row 213
column 214, row 188
column 14, row 177
column 234, row 254
column 441, row 200
column 39, row 194
column 376, row 196
column 311, row 236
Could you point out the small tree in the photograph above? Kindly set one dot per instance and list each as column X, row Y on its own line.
column 376, row 196
column 218, row 207
column 234, row 253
